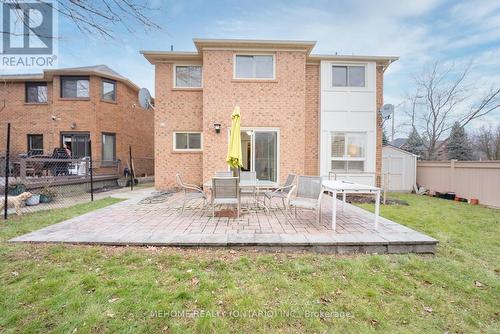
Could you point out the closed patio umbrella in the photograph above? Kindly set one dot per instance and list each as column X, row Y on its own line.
column 234, row 157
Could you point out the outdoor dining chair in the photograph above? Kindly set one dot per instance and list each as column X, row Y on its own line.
column 225, row 190
column 308, row 195
column 191, row 192
column 249, row 191
column 224, row 174
column 282, row 192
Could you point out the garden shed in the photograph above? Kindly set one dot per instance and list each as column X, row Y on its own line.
column 399, row 169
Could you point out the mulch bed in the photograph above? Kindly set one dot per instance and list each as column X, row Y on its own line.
column 371, row 200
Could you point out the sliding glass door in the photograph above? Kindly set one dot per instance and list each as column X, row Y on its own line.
column 260, row 153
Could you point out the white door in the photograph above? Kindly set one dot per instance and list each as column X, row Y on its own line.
column 260, row 153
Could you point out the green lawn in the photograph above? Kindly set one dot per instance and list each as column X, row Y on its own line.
column 74, row 289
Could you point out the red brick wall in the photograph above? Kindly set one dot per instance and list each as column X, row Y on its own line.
column 131, row 124
column 276, row 103
column 312, row 126
column 175, row 110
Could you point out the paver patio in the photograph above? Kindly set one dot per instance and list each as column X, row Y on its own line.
column 137, row 222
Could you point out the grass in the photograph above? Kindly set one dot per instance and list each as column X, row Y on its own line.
column 63, row 289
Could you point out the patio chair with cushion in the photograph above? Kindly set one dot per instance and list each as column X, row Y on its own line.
column 225, row 190
column 308, row 195
column 191, row 192
column 282, row 192
column 224, row 174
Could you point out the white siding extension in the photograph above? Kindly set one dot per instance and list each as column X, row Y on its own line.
column 348, row 109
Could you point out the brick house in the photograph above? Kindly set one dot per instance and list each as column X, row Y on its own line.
column 301, row 113
column 72, row 106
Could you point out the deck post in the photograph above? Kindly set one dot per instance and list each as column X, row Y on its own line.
column 6, row 185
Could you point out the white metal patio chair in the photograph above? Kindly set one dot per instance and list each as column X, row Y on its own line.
column 191, row 192
column 308, row 195
column 225, row 190
column 282, row 192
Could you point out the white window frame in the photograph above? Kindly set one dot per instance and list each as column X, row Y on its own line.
column 332, row 65
column 174, row 84
column 187, row 149
column 254, row 54
column 345, row 157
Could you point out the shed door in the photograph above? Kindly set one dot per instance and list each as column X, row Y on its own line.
column 393, row 170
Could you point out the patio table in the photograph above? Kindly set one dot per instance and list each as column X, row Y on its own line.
column 346, row 187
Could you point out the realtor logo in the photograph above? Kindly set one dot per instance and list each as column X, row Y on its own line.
column 28, row 34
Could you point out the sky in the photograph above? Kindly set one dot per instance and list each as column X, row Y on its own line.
column 419, row 32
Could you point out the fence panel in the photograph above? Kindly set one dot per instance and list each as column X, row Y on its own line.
column 467, row 179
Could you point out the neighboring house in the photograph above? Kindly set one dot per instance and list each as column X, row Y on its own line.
column 73, row 106
column 399, row 142
column 301, row 113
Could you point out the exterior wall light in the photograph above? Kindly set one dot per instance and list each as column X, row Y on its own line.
column 217, row 127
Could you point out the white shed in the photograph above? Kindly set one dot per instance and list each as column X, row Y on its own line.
column 399, row 169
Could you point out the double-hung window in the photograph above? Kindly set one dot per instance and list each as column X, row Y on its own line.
column 36, row 92
column 348, row 152
column 35, row 144
column 187, row 141
column 75, row 87
column 108, row 147
column 108, row 90
column 254, row 67
column 188, row 76
column 348, row 76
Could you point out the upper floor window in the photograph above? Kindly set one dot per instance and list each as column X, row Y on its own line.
column 75, row 87
column 36, row 92
column 348, row 76
column 348, row 152
column 187, row 76
column 108, row 90
column 254, row 67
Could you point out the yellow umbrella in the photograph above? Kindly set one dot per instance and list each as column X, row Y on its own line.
column 234, row 157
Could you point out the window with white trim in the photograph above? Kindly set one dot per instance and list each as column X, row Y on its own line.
column 254, row 67
column 188, row 76
column 348, row 76
column 348, row 152
column 187, row 141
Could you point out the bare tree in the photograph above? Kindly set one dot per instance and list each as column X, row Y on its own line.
column 445, row 98
column 487, row 141
column 101, row 17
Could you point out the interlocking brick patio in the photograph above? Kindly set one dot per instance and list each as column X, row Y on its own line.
column 135, row 222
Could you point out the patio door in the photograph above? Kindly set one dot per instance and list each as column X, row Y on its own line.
column 260, row 153
column 78, row 143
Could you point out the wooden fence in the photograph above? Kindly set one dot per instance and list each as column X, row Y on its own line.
column 467, row 179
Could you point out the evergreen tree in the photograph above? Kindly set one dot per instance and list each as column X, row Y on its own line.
column 414, row 144
column 458, row 144
column 385, row 141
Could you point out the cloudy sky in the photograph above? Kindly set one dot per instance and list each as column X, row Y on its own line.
column 419, row 32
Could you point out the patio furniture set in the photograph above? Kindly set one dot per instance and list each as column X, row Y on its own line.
column 302, row 192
